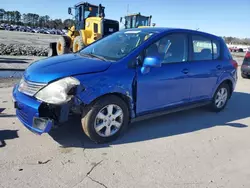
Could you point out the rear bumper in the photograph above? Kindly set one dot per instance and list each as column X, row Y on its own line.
column 27, row 111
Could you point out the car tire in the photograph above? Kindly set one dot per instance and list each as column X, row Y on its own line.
column 78, row 44
column 222, row 98
column 63, row 45
column 100, row 112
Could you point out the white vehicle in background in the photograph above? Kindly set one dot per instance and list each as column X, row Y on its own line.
column 238, row 48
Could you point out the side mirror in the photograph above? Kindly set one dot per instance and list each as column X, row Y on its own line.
column 150, row 62
column 120, row 19
column 69, row 11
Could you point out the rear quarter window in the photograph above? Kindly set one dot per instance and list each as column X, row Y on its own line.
column 216, row 49
column 226, row 55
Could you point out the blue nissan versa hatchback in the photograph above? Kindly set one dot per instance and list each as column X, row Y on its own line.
column 130, row 75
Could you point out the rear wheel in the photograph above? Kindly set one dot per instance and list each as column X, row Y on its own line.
column 220, row 98
column 106, row 119
column 63, row 45
column 78, row 44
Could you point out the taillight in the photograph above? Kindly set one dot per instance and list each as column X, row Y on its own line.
column 234, row 63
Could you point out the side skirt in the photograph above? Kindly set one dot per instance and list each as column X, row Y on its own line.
column 170, row 110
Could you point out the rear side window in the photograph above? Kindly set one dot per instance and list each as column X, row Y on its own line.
column 202, row 48
column 205, row 48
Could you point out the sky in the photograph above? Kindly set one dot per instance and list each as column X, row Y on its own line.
column 219, row 17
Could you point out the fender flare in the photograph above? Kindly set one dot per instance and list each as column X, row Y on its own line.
column 224, row 77
column 90, row 95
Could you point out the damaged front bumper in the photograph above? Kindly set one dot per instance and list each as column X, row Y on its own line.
column 37, row 116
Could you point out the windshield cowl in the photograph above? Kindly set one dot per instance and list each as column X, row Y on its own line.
column 92, row 55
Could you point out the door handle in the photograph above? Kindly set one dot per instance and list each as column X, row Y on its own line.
column 185, row 71
column 218, row 67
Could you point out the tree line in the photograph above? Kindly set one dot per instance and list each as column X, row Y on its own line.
column 235, row 40
column 33, row 20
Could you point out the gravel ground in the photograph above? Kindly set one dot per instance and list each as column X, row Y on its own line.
column 29, row 39
column 21, row 43
column 17, row 62
column 191, row 149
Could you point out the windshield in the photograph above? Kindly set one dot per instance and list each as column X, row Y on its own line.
column 142, row 21
column 117, row 45
column 131, row 22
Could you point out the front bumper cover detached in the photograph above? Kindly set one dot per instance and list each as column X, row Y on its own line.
column 27, row 111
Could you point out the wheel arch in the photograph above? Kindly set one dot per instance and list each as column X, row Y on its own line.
column 227, row 81
column 126, row 98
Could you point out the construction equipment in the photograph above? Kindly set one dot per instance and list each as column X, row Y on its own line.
column 90, row 25
column 136, row 20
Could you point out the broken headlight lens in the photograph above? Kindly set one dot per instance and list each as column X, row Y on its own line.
column 57, row 92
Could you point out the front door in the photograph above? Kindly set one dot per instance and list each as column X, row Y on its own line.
column 168, row 85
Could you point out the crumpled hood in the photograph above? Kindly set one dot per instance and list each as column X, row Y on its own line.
column 53, row 68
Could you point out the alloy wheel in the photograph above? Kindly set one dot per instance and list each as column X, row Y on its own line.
column 108, row 120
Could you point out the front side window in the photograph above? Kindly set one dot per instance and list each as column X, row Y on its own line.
column 117, row 45
column 202, row 48
column 78, row 13
column 171, row 49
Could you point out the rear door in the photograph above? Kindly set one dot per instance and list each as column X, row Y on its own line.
column 205, row 66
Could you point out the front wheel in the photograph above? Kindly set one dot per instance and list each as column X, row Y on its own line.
column 106, row 119
column 220, row 98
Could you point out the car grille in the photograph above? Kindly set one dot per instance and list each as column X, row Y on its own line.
column 30, row 88
column 22, row 115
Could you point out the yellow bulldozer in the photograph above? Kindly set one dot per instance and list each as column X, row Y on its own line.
column 136, row 21
column 90, row 25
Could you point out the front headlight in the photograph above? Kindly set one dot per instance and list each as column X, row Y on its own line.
column 57, row 92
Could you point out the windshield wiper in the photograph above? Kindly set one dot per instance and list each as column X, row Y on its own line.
column 94, row 56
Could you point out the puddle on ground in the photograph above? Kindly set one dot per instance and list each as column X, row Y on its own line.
column 11, row 74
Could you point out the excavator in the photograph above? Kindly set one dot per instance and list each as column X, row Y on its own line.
column 90, row 25
column 137, row 21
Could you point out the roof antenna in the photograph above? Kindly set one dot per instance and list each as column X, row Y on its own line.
column 127, row 9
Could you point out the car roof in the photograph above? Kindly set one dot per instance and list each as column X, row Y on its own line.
column 168, row 29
